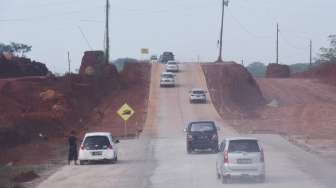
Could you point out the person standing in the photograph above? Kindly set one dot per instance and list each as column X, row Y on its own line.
column 73, row 155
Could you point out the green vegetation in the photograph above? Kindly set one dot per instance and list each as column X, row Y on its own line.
column 329, row 54
column 257, row 69
column 17, row 49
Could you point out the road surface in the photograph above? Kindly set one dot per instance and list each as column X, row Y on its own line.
column 158, row 158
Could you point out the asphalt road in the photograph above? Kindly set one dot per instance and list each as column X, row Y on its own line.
column 158, row 158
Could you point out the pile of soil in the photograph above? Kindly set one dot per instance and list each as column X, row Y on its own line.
column 39, row 110
column 20, row 67
column 277, row 71
column 326, row 72
column 233, row 89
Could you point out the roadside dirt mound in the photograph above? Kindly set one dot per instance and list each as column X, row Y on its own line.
column 20, row 67
column 91, row 63
column 326, row 72
column 277, row 71
column 232, row 88
column 38, row 110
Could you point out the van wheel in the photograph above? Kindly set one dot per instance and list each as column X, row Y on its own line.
column 81, row 162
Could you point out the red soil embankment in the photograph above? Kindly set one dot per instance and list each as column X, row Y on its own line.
column 233, row 89
column 37, row 113
column 277, row 71
column 326, row 72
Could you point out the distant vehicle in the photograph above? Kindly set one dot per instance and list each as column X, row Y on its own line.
column 240, row 157
column 197, row 95
column 202, row 135
column 98, row 146
column 154, row 59
column 172, row 66
column 166, row 56
column 167, row 79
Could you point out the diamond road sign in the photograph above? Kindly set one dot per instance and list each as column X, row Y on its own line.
column 125, row 112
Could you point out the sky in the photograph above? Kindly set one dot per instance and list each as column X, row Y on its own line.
column 189, row 28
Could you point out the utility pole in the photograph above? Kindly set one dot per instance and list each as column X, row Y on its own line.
column 277, row 45
column 310, row 52
column 220, row 59
column 107, row 38
column 69, row 63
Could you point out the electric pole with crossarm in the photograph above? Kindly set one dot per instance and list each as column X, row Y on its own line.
column 220, row 59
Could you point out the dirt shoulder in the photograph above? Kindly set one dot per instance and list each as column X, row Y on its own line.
column 298, row 109
column 44, row 153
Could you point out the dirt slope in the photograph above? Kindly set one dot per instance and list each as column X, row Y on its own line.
column 233, row 89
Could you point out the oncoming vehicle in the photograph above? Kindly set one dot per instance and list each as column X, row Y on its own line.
column 167, row 79
column 197, row 95
column 172, row 66
column 202, row 135
column 98, row 146
column 154, row 59
column 166, row 56
column 240, row 157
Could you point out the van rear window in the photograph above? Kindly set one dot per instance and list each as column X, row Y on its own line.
column 244, row 146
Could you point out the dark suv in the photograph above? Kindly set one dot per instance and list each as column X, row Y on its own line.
column 166, row 56
column 202, row 135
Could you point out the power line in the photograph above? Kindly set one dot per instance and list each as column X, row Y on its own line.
column 84, row 37
column 244, row 28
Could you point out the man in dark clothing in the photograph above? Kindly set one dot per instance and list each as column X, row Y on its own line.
column 72, row 148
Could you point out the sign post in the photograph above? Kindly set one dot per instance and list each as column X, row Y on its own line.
column 125, row 112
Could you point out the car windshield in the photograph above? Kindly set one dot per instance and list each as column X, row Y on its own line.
column 198, row 92
column 96, row 142
column 167, row 76
column 172, row 63
column 202, row 127
column 243, row 146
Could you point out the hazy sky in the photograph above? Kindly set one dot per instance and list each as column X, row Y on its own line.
column 186, row 27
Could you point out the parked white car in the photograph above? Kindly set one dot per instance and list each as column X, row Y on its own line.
column 197, row 95
column 240, row 157
column 98, row 146
column 167, row 79
column 172, row 66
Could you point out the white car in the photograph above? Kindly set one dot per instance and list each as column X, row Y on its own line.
column 167, row 79
column 240, row 157
column 197, row 95
column 98, row 146
column 172, row 66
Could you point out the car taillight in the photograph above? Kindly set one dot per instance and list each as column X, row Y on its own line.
column 82, row 147
column 189, row 137
column 262, row 157
column 110, row 146
column 226, row 156
column 214, row 137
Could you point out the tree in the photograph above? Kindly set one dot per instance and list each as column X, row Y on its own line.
column 18, row 49
column 329, row 54
column 257, row 69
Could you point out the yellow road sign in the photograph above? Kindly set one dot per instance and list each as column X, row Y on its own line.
column 125, row 112
column 144, row 50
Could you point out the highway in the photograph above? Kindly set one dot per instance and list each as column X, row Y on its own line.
column 159, row 159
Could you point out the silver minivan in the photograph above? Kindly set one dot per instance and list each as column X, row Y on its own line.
column 240, row 157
